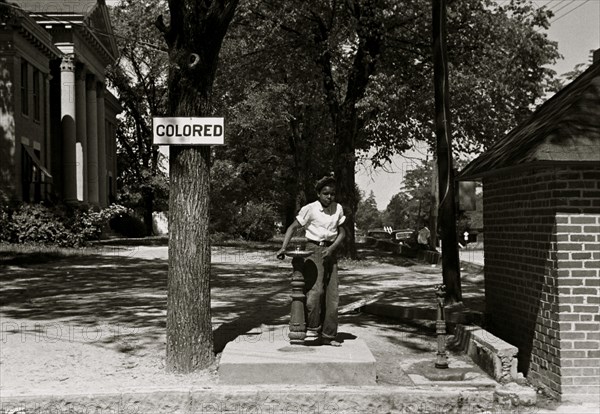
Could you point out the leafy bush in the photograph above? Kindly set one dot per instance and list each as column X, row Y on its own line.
column 217, row 238
column 65, row 226
column 5, row 226
column 256, row 221
column 88, row 223
column 35, row 223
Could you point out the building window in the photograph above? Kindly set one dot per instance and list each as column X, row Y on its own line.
column 34, row 176
column 24, row 88
column 27, row 174
column 36, row 94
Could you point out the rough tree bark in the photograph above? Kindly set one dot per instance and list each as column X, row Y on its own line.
column 194, row 36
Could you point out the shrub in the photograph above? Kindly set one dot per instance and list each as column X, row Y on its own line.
column 88, row 222
column 65, row 226
column 5, row 226
column 35, row 223
column 256, row 221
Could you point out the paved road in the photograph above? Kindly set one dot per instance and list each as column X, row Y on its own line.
column 471, row 256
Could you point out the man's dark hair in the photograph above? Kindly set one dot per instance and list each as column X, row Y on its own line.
column 323, row 182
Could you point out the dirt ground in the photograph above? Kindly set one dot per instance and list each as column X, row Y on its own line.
column 97, row 320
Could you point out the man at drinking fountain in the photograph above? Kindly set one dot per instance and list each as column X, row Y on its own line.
column 322, row 221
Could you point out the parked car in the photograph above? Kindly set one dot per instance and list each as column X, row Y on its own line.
column 403, row 236
column 379, row 234
column 388, row 240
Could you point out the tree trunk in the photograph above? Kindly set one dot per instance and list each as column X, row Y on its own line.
column 299, row 151
column 194, row 38
column 344, row 168
column 189, row 329
column 370, row 33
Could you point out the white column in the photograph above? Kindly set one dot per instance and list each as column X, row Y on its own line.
column 92, row 139
column 81, row 147
column 47, row 138
column 67, row 114
column 101, row 147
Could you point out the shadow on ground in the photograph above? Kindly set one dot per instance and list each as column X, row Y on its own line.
column 127, row 294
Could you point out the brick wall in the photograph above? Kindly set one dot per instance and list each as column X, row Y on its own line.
column 542, row 273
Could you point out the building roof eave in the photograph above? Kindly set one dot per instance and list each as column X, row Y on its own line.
column 537, row 164
column 556, row 131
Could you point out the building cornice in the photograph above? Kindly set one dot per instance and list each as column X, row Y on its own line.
column 33, row 33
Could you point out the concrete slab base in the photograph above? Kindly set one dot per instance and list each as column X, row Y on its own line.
column 279, row 362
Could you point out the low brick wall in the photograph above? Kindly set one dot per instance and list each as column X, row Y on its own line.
column 542, row 274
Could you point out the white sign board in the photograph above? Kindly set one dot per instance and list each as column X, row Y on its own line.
column 188, row 131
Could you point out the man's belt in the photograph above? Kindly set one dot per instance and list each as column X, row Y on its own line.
column 320, row 243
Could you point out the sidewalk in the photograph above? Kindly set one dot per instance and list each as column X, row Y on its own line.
column 87, row 333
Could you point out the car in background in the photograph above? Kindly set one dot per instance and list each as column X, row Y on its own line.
column 387, row 239
column 404, row 236
column 379, row 234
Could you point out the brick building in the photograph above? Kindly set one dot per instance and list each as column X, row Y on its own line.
column 57, row 120
column 541, row 214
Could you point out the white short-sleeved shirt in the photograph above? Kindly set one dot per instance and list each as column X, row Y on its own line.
column 319, row 225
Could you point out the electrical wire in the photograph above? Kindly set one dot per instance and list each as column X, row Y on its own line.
column 555, row 5
column 569, row 12
column 547, row 3
column 564, row 7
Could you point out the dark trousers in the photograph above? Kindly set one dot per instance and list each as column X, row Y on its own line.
column 321, row 289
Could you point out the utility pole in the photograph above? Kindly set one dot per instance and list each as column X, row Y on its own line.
column 447, row 207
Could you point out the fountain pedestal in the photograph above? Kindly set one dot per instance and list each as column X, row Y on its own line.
column 297, row 332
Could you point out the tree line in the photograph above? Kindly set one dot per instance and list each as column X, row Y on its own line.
column 312, row 87
column 411, row 207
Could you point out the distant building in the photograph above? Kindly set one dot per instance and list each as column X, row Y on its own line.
column 57, row 120
column 541, row 215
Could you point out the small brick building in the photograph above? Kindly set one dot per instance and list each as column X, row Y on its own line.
column 541, row 214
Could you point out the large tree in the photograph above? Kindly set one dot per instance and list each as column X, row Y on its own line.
column 139, row 78
column 367, row 215
column 272, row 99
column 194, row 34
column 374, row 62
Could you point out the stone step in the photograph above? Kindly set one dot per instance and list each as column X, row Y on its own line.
column 265, row 399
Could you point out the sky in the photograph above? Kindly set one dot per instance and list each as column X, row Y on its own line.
column 576, row 28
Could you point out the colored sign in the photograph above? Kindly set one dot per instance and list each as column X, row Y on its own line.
column 188, row 131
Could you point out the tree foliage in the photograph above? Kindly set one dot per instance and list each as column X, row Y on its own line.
column 361, row 72
column 139, row 78
column 411, row 207
column 307, row 87
column 397, row 214
column 367, row 215
column 275, row 116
